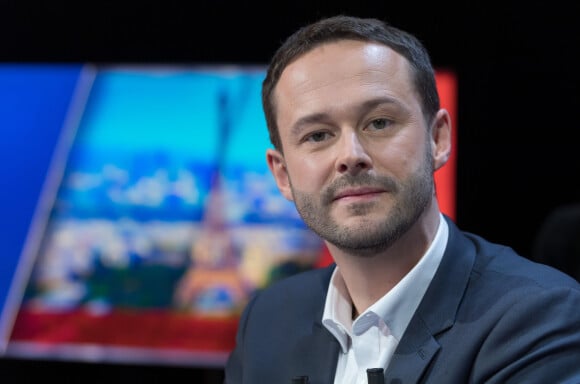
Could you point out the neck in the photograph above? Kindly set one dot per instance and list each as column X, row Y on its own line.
column 368, row 278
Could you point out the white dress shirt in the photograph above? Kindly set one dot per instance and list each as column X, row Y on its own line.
column 371, row 339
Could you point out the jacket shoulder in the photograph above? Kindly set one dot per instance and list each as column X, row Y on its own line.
column 305, row 290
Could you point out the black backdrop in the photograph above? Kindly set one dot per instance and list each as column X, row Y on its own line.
column 518, row 95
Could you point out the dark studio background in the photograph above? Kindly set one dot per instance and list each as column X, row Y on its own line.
column 517, row 113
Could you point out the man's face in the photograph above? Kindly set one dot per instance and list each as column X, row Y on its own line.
column 357, row 157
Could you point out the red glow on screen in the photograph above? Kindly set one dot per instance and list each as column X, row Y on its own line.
column 445, row 177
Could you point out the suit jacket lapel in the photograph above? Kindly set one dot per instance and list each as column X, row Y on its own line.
column 408, row 365
column 316, row 356
column 436, row 313
column 316, row 353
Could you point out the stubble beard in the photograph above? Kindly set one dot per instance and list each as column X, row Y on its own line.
column 369, row 236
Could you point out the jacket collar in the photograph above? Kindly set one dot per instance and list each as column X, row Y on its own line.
column 437, row 311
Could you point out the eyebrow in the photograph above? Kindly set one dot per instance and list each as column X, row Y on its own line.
column 304, row 121
column 324, row 117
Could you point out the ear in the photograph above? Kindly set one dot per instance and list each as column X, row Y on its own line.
column 441, row 138
column 277, row 166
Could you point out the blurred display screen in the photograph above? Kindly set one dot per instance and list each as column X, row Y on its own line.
column 157, row 217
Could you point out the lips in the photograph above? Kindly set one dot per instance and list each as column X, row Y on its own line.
column 356, row 192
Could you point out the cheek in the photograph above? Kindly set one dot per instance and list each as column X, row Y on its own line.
column 307, row 174
column 400, row 156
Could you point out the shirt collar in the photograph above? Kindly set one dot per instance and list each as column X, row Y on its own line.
column 397, row 306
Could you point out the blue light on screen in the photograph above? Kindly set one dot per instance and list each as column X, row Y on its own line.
column 34, row 100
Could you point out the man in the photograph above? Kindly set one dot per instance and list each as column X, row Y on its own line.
column 353, row 113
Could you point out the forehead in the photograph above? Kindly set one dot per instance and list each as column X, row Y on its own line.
column 343, row 72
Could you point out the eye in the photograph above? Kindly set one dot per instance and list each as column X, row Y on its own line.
column 379, row 124
column 317, row 136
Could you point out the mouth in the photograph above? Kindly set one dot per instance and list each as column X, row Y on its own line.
column 358, row 194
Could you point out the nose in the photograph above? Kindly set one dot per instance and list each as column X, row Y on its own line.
column 352, row 155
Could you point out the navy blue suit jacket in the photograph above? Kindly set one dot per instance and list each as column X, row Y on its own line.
column 488, row 316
